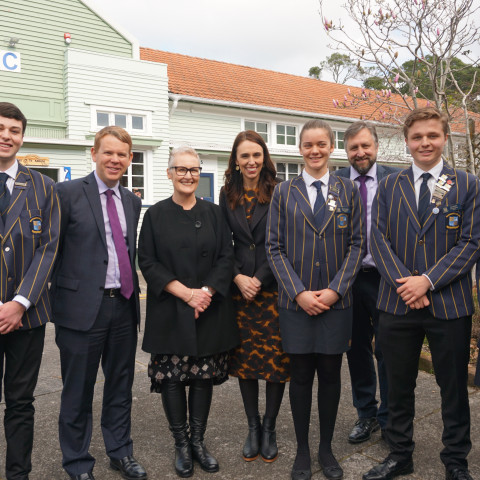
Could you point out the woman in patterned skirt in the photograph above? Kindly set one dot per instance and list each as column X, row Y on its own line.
column 245, row 198
column 186, row 256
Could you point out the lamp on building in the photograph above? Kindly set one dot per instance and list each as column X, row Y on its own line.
column 68, row 38
column 12, row 41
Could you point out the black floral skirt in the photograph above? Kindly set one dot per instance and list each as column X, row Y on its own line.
column 174, row 368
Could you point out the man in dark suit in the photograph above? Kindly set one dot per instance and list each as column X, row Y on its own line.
column 425, row 241
column 96, row 307
column 29, row 230
column 361, row 145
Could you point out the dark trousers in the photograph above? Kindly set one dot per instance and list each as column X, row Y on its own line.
column 360, row 356
column 449, row 342
column 112, row 340
column 20, row 358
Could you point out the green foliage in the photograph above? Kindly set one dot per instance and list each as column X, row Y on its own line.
column 375, row 83
column 342, row 68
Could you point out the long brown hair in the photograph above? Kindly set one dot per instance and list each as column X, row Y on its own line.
column 233, row 179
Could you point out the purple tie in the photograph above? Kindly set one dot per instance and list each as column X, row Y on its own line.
column 126, row 279
column 363, row 193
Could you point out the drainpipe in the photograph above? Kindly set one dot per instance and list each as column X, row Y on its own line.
column 175, row 99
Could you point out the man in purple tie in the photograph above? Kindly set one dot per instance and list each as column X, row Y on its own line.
column 96, row 307
column 361, row 145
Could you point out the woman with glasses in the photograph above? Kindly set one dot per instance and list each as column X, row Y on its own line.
column 245, row 198
column 186, row 256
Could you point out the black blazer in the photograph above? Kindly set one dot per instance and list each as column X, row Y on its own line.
column 195, row 248
column 79, row 275
column 249, row 242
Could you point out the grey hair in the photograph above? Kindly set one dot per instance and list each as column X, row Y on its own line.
column 179, row 150
column 356, row 127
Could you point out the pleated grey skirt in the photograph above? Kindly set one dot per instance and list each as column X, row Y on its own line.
column 329, row 333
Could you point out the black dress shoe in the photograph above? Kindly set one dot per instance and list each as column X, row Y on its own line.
column 389, row 469
column 83, row 476
column 363, row 429
column 129, row 468
column 301, row 474
column 458, row 473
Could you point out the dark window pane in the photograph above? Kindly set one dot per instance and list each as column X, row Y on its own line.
column 249, row 125
column 292, row 168
column 281, row 129
column 290, row 130
column 291, row 141
column 124, row 181
column 204, row 187
column 281, row 139
column 137, row 169
column 261, row 127
column 280, row 167
column 137, row 181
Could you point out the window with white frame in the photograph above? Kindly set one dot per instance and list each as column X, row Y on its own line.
column 287, row 170
column 134, row 122
column 339, row 143
column 286, row 134
column 260, row 127
column 134, row 177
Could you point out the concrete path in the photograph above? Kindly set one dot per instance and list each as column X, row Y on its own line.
column 227, row 429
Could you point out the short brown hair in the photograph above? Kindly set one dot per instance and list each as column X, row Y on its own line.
column 9, row 110
column 426, row 113
column 311, row 124
column 117, row 132
column 356, row 128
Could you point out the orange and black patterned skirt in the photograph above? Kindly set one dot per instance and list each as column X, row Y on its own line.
column 260, row 354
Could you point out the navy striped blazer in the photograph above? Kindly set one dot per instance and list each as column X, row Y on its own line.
column 445, row 247
column 29, row 244
column 304, row 258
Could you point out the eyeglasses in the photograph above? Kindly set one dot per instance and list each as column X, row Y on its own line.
column 182, row 171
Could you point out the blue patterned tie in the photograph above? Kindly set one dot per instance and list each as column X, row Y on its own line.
column 424, row 197
column 319, row 207
column 4, row 196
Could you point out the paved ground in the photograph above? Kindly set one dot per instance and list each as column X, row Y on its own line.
column 227, row 429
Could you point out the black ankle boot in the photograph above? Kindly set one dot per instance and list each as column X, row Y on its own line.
column 199, row 451
column 183, row 452
column 269, row 449
column 251, row 448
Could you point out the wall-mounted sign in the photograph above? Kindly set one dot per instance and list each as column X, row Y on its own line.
column 33, row 160
column 10, row 61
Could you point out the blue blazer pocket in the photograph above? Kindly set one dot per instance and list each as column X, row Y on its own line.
column 68, row 283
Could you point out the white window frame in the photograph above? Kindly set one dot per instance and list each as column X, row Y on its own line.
column 288, row 175
column 129, row 113
column 269, row 128
column 337, row 139
column 282, row 124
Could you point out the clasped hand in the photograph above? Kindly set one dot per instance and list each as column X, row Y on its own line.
column 318, row 301
column 200, row 301
column 248, row 286
column 413, row 291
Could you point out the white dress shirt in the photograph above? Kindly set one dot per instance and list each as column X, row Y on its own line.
column 312, row 189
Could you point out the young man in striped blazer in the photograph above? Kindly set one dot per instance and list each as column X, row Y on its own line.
column 425, row 240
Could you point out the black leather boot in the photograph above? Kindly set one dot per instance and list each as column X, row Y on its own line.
column 269, row 449
column 175, row 405
column 183, row 452
column 199, row 401
column 251, row 448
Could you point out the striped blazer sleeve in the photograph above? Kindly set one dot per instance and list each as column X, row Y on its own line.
column 352, row 261
column 275, row 244
column 460, row 259
column 388, row 264
column 37, row 275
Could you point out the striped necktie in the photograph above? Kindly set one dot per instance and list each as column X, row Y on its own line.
column 4, row 196
column 319, row 207
column 423, row 198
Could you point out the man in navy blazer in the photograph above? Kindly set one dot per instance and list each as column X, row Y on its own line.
column 29, row 231
column 361, row 145
column 96, row 307
column 425, row 241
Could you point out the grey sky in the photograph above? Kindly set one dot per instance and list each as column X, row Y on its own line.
column 283, row 35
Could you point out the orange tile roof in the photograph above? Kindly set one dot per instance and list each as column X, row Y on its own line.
column 211, row 79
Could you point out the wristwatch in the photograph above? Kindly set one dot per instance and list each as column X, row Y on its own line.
column 207, row 289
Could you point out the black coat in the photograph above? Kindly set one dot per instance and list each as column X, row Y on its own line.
column 249, row 242
column 195, row 248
